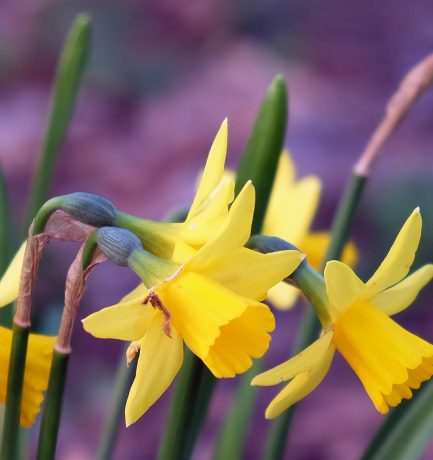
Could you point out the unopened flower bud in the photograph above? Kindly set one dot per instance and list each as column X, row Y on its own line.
column 89, row 208
column 117, row 244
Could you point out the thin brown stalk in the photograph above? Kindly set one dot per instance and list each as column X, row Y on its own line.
column 411, row 88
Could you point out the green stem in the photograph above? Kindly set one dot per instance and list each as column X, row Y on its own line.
column 206, row 387
column 175, row 437
column 344, row 217
column 343, row 221
column 123, row 381
column 66, row 86
column 53, row 407
column 233, row 435
column 17, row 363
column 259, row 163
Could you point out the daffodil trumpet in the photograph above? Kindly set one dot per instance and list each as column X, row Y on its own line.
column 390, row 361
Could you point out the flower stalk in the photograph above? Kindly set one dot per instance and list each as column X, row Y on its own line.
column 11, row 424
column 75, row 286
column 21, row 330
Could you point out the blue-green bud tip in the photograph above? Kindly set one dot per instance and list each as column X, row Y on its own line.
column 117, row 244
column 89, row 208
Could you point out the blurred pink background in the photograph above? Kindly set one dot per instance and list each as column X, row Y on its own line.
column 161, row 78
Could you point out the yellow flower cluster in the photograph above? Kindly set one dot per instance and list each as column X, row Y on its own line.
column 209, row 298
column 212, row 298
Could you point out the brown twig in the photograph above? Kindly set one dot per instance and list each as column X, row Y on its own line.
column 32, row 258
column 76, row 282
column 59, row 227
column 412, row 87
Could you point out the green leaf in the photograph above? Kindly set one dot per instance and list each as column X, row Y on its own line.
column 259, row 161
column 7, row 244
column 6, row 239
column 407, row 430
column 195, row 385
column 178, row 427
column 67, row 83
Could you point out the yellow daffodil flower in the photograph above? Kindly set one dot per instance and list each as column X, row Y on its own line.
column 291, row 210
column 208, row 210
column 389, row 360
column 36, row 374
column 211, row 302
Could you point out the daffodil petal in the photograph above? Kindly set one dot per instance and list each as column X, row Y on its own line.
column 232, row 234
column 314, row 245
column 283, row 296
column 10, row 282
column 198, row 229
column 250, row 273
column 302, row 362
column 38, row 363
column 397, row 298
column 292, row 205
column 398, row 261
column 159, row 361
column 343, row 287
column 222, row 328
column 199, row 307
column 213, row 171
column 301, row 386
column 123, row 321
column 243, row 338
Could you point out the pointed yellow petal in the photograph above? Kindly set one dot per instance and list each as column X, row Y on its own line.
column 314, row 246
column 302, row 385
column 292, row 205
column 231, row 235
column 283, row 296
column 160, row 360
column 250, row 273
column 213, row 171
column 36, row 373
column 343, row 287
column 398, row 261
column 302, row 362
column 198, row 229
column 123, row 321
column 10, row 283
column 400, row 296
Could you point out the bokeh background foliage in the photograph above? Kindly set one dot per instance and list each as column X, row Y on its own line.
column 160, row 79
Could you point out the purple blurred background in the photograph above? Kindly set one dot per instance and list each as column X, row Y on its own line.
column 162, row 76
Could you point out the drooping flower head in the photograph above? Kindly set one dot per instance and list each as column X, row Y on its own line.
column 210, row 301
column 389, row 360
column 290, row 213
